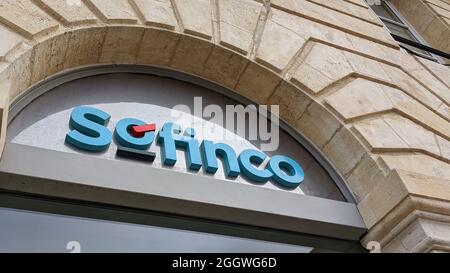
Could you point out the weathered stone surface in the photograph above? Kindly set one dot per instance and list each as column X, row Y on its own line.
column 416, row 70
column 379, row 135
column 5, row 87
column 318, row 125
column 412, row 87
column 26, row 18
column 338, row 20
column 367, row 67
column 224, row 67
column 444, row 146
column 10, row 40
column 394, row 132
column 308, row 29
column 49, row 57
column 417, row 111
column 235, row 38
column 357, row 11
column 157, row 13
column 344, row 151
column 440, row 71
column 292, row 102
column 157, row 47
column 84, row 47
column 323, row 66
column 121, row 45
column 422, row 185
column 196, row 17
column 257, row 83
column 414, row 135
column 422, row 16
column 410, row 210
column 406, row 6
column 238, row 20
column 365, row 177
column 437, row 33
column 419, row 237
column 440, row 6
column 417, row 163
column 20, row 73
column 118, row 11
column 191, row 55
column 444, row 110
column 75, row 13
column 359, row 97
column 382, row 198
column 336, row 64
column 360, row 3
column 277, row 36
column 374, row 50
column 395, row 246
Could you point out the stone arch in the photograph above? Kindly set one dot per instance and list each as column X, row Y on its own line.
column 200, row 58
column 251, row 48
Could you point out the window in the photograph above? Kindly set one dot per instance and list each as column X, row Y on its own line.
column 399, row 27
column 37, row 224
column 30, row 231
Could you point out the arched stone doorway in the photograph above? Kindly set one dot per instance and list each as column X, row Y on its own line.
column 270, row 53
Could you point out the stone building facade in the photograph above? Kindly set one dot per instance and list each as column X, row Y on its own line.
column 378, row 114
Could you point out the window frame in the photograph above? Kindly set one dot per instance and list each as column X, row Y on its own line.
column 406, row 25
column 92, row 211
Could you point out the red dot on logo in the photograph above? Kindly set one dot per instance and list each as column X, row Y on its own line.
column 139, row 131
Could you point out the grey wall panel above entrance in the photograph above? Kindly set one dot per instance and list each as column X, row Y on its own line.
column 137, row 185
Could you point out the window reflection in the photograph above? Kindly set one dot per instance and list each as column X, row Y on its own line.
column 25, row 231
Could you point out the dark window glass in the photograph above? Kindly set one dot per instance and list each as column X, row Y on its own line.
column 385, row 12
column 26, row 231
column 38, row 224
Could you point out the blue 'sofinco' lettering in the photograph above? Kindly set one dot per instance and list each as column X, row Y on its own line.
column 90, row 134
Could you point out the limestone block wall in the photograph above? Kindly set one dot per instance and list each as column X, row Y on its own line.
column 379, row 115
